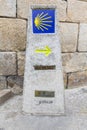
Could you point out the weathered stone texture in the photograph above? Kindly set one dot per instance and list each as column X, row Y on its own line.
column 77, row 79
column 50, row 80
column 15, row 84
column 73, row 62
column 83, row 38
column 68, row 36
column 23, row 7
column 77, row 11
column 65, row 80
column 15, row 80
column 5, row 95
column 8, row 8
column 7, row 63
column 12, row 34
column 16, row 89
column 66, row 58
column 3, row 83
column 21, row 62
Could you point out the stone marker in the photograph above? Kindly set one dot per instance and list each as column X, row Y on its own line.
column 43, row 80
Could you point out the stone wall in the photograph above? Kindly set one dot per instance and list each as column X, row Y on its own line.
column 73, row 38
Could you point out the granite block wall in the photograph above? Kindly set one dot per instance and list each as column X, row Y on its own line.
column 13, row 33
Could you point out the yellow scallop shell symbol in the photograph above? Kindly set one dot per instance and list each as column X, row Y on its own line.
column 42, row 21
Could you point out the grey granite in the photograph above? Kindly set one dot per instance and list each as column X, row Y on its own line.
column 43, row 80
column 12, row 117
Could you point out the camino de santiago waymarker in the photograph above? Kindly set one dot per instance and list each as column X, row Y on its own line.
column 43, row 79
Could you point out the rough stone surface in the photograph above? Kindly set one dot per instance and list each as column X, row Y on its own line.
column 68, row 36
column 77, row 11
column 43, row 80
column 12, row 34
column 15, row 80
column 8, row 8
column 75, row 118
column 3, row 83
column 21, row 62
column 83, row 38
column 77, row 79
column 15, row 84
column 65, row 59
column 5, row 95
column 65, row 80
column 16, row 89
column 23, row 7
column 73, row 62
column 7, row 63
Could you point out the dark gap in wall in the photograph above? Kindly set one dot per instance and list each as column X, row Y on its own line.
column 6, row 82
column 67, row 80
column 78, row 38
column 16, row 8
column 16, row 63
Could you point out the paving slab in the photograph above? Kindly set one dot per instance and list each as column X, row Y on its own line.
column 12, row 117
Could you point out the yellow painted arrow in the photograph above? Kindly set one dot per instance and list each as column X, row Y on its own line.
column 46, row 51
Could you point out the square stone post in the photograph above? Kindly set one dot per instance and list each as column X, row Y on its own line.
column 43, row 79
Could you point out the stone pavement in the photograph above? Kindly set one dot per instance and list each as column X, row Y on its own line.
column 12, row 117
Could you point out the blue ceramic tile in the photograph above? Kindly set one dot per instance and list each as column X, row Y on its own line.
column 43, row 20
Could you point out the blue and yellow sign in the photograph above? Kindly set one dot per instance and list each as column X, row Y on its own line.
column 43, row 20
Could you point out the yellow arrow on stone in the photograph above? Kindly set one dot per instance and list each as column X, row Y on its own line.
column 46, row 51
